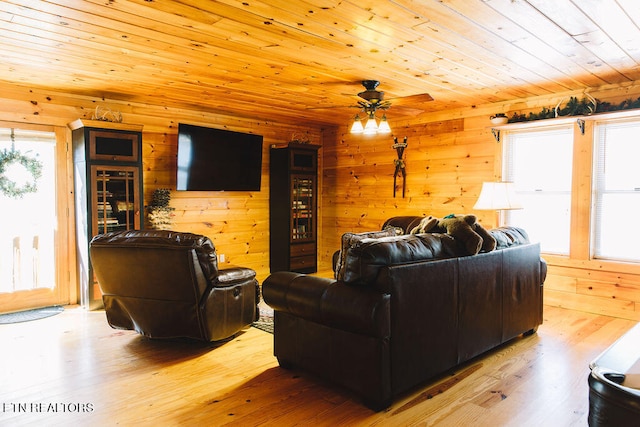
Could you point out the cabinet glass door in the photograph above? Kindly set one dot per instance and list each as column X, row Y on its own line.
column 302, row 207
column 117, row 202
column 115, row 207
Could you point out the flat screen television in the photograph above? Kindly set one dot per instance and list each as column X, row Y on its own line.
column 218, row 160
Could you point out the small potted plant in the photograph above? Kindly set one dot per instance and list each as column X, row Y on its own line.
column 499, row 119
column 159, row 211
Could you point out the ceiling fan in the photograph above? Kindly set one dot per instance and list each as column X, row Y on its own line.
column 373, row 98
column 370, row 100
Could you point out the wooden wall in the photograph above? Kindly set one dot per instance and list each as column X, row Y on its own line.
column 237, row 222
column 448, row 157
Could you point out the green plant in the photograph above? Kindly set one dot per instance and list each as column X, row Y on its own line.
column 575, row 107
column 159, row 212
column 161, row 197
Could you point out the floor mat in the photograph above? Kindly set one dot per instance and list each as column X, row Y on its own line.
column 29, row 315
column 265, row 322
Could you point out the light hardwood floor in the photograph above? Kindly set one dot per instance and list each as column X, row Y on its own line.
column 73, row 363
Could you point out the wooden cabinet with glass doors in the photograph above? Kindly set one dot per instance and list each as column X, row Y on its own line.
column 107, row 161
column 293, row 208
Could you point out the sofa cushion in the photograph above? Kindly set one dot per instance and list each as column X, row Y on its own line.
column 364, row 259
column 352, row 239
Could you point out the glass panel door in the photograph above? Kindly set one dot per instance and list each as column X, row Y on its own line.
column 29, row 246
column 115, row 206
column 302, row 209
column 116, row 198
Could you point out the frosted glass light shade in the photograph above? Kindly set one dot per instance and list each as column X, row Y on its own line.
column 371, row 128
column 384, row 127
column 497, row 196
column 357, row 126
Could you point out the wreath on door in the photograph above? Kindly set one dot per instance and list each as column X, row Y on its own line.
column 12, row 163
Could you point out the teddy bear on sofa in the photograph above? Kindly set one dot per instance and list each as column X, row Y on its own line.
column 472, row 236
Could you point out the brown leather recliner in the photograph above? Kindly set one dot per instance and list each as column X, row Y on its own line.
column 166, row 284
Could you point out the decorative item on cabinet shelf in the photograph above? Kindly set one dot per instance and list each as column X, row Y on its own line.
column 106, row 115
column 159, row 211
column 300, row 138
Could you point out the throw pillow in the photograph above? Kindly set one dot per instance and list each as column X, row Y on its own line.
column 351, row 239
column 398, row 231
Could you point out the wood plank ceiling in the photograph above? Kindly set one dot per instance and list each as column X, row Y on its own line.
column 304, row 60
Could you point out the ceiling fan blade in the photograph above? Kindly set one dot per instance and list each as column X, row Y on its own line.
column 372, row 99
column 402, row 110
column 334, row 107
column 354, row 98
column 413, row 100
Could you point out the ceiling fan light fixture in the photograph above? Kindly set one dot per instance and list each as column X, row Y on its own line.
column 371, row 128
column 372, row 100
column 357, row 125
column 384, row 127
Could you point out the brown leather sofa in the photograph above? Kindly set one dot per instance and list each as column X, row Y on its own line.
column 406, row 309
column 166, row 284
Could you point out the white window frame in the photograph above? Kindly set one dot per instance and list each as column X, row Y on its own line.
column 600, row 223
column 547, row 190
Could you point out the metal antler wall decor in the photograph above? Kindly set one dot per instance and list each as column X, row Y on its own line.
column 400, row 166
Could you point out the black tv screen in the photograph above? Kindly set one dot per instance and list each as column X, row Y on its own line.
column 218, row 160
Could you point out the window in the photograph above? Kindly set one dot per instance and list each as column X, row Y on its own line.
column 616, row 190
column 539, row 163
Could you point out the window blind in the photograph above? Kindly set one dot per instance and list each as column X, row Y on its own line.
column 540, row 162
column 616, row 190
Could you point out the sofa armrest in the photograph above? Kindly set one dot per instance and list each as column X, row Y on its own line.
column 328, row 302
column 543, row 270
column 233, row 275
column 334, row 262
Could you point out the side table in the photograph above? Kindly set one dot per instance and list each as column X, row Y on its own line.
column 614, row 383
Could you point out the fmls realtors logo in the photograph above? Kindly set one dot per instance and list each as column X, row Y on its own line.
column 41, row 407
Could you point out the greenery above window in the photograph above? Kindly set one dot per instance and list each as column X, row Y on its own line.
column 575, row 107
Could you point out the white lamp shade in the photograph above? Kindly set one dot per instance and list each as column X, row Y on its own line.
column 371, row 128
column 357, row 126
column 384, row 127
column 497, row 196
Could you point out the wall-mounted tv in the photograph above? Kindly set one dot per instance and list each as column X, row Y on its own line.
column 218, row 160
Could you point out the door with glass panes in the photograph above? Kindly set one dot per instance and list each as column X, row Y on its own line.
column 34, row 245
